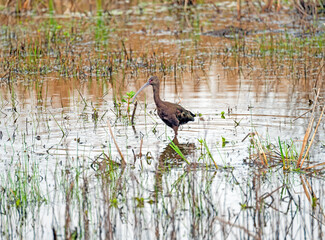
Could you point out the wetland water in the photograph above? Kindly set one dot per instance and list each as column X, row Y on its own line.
column 63, row 77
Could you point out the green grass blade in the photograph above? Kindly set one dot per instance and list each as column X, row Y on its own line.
column 176, row 149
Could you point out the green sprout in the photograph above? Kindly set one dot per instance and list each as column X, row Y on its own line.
column 127, row 99
column 223, row 115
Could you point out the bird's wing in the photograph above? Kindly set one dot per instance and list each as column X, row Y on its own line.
column 184, row 115
column 170, row 119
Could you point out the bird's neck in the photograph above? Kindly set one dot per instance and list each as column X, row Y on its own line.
column 156, row 96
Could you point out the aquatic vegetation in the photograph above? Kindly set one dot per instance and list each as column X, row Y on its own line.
column 80, row 161
column 287, row 152
column 176, row 149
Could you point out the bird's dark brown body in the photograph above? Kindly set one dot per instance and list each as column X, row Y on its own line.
column 172, row 114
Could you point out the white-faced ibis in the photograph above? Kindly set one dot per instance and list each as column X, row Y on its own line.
column 172, row 114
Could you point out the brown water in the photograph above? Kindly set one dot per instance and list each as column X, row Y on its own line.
column 54, row 111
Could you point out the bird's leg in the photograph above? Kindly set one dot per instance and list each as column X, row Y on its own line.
column 175, row 140
column 175, row 128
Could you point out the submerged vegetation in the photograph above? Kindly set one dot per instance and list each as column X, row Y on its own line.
column 81, row 161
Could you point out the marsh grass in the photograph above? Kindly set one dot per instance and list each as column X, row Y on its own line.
column 177, row 150
column 207, row 150
column 91, row 190
column 291, row 155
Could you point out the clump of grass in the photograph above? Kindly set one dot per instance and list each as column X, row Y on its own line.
column 286, row 152
column 204, row 144
column 176, row 149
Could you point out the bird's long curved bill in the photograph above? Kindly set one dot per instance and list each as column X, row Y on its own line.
column 144, row 86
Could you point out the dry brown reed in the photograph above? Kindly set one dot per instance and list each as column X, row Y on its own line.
column 302, row 156
column 123, row 162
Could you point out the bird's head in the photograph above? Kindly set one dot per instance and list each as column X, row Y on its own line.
column 153, row 80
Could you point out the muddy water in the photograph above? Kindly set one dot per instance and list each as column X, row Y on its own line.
column 54, row 132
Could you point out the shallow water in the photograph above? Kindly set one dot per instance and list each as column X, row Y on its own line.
column 54, row 134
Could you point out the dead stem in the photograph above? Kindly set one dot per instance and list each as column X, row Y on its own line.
column 140, row 153
column 118, row 149
column 312, row 139
column 306, row 137
column 304, row 143
column 134, row 109
column 305, row 189
column 237, row 226
column 259, row 146
column 302, row 115
column 314, row 166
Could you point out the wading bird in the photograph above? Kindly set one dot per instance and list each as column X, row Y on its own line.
column 172, row 114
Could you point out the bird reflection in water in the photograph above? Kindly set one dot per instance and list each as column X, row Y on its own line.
column 169, row 158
